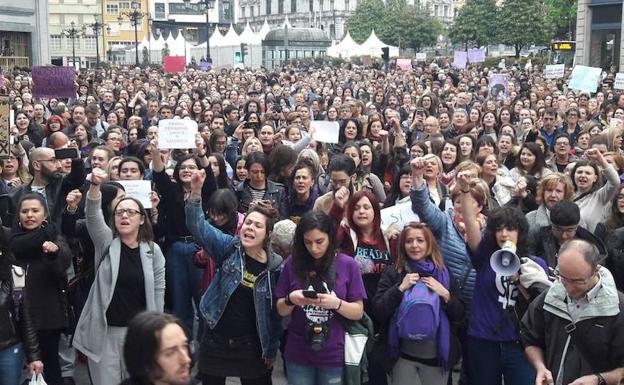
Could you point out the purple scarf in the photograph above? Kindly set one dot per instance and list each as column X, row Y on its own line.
column 427, row 269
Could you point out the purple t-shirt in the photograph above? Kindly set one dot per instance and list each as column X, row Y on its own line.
column 348, row 287
column 491, row 316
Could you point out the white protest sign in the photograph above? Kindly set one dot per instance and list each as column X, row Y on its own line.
column 421, row 56
column 585, row 78
column 554, row 71
column 619, row 81
column 177, row 133
column 615, row 123
column 325, row 132
column 139, row 189
column 398, row 215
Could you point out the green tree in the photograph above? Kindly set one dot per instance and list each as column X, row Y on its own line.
column 407, row 25
column 523, row 23
column 369, row 15
column 420, row 29
column 391, row 32
column 475, row 24
column 563, row 15
column 396, row 23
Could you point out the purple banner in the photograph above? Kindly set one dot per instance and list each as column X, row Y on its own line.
column 205, row 66
column 476, row 55
column 460, row 58
column 50, row 81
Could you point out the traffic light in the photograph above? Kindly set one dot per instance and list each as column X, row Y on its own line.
column 385, row 54
column 244, row 51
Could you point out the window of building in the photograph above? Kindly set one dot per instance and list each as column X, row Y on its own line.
column 70, row 43
column 446, row 11
column 347, row 5
column 55, row 41
column 311, row 5
column 226, row 13
column 124, row 5
column 293, row 5
column 89, row 43
column 112, row 9
column 253, row 11
column 268, row 7
column 280, row 6
column 159, row 10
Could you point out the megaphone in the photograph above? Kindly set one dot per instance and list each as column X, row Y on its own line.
column 505, row 262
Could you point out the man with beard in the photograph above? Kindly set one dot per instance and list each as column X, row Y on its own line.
column 156, row 351
column 49, row 182
column 341, row 174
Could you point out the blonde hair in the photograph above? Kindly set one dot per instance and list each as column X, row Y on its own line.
column 247, row 143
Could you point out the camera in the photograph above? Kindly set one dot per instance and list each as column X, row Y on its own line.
column 316, row 335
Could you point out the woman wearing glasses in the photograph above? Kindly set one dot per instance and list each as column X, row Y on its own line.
column 130, row 278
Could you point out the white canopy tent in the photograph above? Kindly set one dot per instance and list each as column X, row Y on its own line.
column 249, row 36
column 264, row 30
column 231, row 37
column 346, row 48
column 372, row 46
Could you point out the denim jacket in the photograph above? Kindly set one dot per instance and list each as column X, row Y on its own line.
column 229, row 273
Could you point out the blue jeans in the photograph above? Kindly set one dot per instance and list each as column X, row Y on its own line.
column 183, row 279
column 11, row 364
column 307, row 375
column 489, row 361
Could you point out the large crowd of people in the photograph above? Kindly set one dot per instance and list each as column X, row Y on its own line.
column 262, row 241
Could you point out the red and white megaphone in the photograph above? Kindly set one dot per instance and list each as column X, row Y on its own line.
column 505, row 262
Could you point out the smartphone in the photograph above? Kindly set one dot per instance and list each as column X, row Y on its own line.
column 66, row 153
column 310, row 294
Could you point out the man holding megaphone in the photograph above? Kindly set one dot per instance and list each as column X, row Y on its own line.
column 507, row 280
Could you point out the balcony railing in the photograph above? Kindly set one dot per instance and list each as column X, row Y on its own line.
column 9, row 62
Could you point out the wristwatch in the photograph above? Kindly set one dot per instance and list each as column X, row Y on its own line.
column 601, row 380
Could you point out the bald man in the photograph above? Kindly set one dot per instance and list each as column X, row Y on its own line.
column 49, row 182
column 574, row 332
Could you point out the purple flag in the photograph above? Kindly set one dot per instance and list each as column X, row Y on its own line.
column 50, row 81
column 460, row 58
column 476, row 55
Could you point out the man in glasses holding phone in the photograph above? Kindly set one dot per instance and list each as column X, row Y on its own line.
column 574, row 332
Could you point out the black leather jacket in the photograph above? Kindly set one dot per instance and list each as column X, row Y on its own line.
column 275, row 193
column 16, row 322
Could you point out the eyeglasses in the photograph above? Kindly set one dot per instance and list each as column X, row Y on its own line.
column 129, row 212
column 562, row 143
column 188, row 167
column 565, row 230
column 573, row 281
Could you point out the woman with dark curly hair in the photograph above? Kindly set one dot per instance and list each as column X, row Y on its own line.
column 493, row 349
